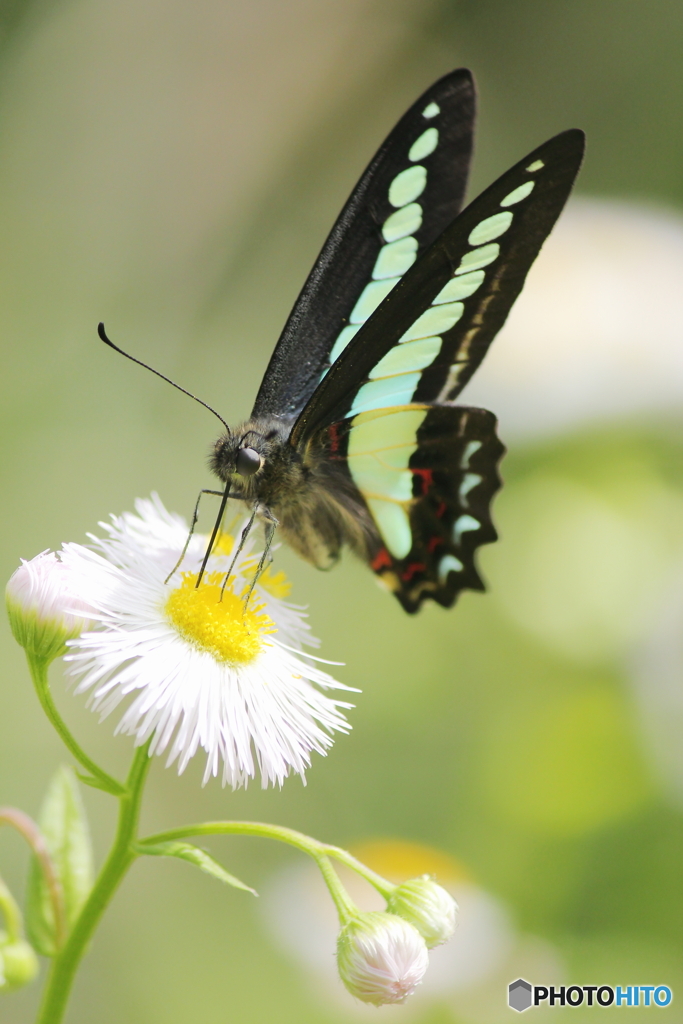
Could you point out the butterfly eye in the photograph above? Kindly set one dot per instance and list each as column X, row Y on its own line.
column 247, row 462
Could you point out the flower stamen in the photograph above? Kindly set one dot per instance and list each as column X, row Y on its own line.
column 216, row 621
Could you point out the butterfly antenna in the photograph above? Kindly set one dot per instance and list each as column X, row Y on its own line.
column 105, row 339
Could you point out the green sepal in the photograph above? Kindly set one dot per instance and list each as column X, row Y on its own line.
column 64, row 825
column 200, row 858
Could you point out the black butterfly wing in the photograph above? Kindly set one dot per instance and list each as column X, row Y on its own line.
column 410, row 192
column 457, row 295
column 427, row 469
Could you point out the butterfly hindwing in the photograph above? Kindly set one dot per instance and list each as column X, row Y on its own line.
column 410, row 192
column 427, row 475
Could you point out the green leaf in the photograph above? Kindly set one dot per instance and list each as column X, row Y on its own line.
column 200, row 858
column 65, row 827
column 105, row 785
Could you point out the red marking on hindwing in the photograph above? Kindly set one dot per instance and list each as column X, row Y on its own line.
column 427, row 478
column 441, row 509
column 411, row 570
column 434, row 543
column 382, row 560
column 333, row 433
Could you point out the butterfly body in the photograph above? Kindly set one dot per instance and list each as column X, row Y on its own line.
column 355, row 438
column 315, row 505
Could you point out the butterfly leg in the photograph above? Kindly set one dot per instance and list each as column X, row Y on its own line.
column 195, row 517
column 245, row 533
column 270, row 528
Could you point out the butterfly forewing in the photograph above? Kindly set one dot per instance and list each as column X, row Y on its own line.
column 431, row 332
column 411, row 191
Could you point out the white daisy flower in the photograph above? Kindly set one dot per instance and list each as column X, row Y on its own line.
column 204, row 671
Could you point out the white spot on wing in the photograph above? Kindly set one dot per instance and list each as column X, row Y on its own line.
column 425, row 145
column 463, row 524
column 408, row 185
column 414, row 355
column 405, row 221
column 469, row 481
column 435, row 320
column 519, row 193
column 476, row 258
column 345, row 336
column 375, row 479
column 460, row 287
column 395, row 258
column 492, row 227
column 393, row 524
column 431, row 110
column 448, row 564
column 380, row 394
column 535, row 166
column 470, row 448
column 376, row 431
column 370, row 298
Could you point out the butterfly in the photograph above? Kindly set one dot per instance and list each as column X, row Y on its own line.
column 354, row 438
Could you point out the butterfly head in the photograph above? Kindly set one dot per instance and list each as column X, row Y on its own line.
column 242, row 454
column 253, row 457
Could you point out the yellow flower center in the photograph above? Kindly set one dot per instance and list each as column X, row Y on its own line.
column 221, row 626
column 223, row 544
column 275, row 583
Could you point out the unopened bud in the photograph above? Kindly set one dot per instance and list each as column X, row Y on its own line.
column 18, row 963
column 381, row 958
column 427, row 906
column 44, row 608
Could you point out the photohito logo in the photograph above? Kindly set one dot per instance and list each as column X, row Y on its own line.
column 522, row 995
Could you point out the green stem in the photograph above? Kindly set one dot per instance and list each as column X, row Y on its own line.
column 121, row 856
column 382, row 885
column 307, row 844
column 38, row 667
column 346, row 908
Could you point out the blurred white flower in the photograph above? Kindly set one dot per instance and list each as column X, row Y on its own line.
column 44, row 606
column 597, row 332
column 427, row 906
column 656, row 671
column 381, row 958
column 206, row 671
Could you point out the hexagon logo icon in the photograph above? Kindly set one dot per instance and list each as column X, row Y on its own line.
column 519, row 995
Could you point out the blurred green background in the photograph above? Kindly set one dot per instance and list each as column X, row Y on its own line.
column 172, row 169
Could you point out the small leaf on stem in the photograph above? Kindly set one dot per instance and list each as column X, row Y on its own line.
column 64, row 825
column 200, row 858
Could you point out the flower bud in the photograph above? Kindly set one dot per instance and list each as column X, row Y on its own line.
column 43, row 607
column 381, row 958
column 18, row 963
column 427, row 906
